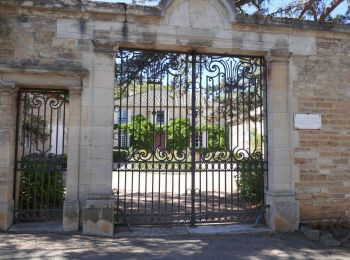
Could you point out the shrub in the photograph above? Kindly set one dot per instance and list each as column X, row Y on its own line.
column 251, row 181
column 179, row 135
column 141, row 133
column 120, row 155
column 41, row 183
column 62, row 161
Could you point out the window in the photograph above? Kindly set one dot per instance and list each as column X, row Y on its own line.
column 160, row 117
column 123, row 117
column 199, row 139
column 122, row 138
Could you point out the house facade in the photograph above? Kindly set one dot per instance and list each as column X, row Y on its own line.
column 160, row 108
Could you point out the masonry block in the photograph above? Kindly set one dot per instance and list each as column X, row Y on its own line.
column 283, row 213
column 6, row 214
column 98, row 215
column 71, row 216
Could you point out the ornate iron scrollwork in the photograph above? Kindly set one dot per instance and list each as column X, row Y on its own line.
column 191, row 122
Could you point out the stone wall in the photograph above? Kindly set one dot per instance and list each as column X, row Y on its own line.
column 69, row 44
column 323, row 157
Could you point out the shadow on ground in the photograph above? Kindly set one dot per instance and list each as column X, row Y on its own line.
column 247, row 246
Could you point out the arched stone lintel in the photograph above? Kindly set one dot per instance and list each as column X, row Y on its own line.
column 168, row 6
column 229, row 5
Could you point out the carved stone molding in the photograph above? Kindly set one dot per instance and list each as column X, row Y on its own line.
column 167, row 6
column 42, row 77
column 276, row 55
column 7, row 86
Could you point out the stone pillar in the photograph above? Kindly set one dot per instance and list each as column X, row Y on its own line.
column 8, row 109
column 97, row 145
column 283, row 214
column 71, row 204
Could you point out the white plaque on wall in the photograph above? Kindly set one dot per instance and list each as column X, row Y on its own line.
column 307, row 121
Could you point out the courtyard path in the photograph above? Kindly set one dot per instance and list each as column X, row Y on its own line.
column 168, row 193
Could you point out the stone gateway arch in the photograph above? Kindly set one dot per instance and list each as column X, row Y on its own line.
column 70, row 86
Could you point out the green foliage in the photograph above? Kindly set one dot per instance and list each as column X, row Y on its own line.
column 216, row 138
column 42, row 183
column 120, row 155
column 179, row 134
column 62, row 161
column 251, row 181
column 35, row 126
column 141, row 133
column 255, row 140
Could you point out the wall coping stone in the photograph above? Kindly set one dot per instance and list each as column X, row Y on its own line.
column 115, row 9
column 258, row 20
column 37, row 70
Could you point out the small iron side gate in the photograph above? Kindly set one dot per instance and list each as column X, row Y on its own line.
column 40, row 155
column 189, row 137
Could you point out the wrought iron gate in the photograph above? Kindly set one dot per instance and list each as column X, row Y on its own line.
column 40, row 155
column 189, row 137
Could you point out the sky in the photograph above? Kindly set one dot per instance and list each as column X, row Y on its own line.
column 341, row 9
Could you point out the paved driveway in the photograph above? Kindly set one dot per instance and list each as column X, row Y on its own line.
column 229, row 246
column 215, row 179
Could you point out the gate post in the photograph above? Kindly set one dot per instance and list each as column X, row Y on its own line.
column 283, row 214
column 71, row 204
column 7, row 155
column 97, row 145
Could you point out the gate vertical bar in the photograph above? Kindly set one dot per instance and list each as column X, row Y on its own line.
column 15, row 183
column 193, row 143
column 230, row 156
column 40, row 170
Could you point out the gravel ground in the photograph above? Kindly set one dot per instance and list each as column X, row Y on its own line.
column 191, row 246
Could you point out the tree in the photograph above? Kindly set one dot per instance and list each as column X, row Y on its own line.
column 141, row 133
column 238, row 98
column 316, row 10
column 39, row 110
column 34, row 129
column 179, row 134
column 216, row 138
